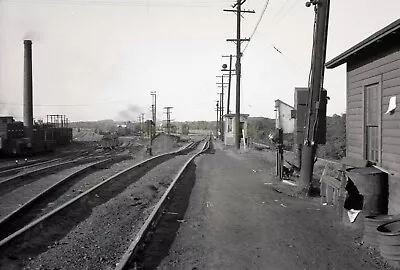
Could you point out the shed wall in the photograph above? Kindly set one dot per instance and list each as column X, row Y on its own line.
column 386, row 72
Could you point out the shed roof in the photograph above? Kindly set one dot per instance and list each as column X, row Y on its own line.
column 393, row 28
column 282, row 102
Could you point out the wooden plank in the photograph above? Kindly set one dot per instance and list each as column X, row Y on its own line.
column 375, row 64
column 391, row 125
column 354, row 131
column 355, row 150
column 390, row 140
column 380, row 121
column 393, row 167
column 391, row 149
column 391, row 117
column 352, row 154
column 391, row 83
column 354, row 91
column 391, row 157
column 354, row 124
column 385, row 100
column 352, row 98
column 392, row 74
column 391, row 133
column 354, row 118
column 390, row 91
column 355, row 104
column 354, row 143
column 354, row 111
column 387, row 68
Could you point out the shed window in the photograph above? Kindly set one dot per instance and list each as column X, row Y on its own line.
column 372, row 112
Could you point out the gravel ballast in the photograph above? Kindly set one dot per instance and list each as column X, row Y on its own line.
column 11, row 201
column 100, row 240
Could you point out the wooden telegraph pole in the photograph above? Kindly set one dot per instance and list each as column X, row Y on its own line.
column 238, row 41
column 315, row 89
column 217, row 126
column 221, row 118
column 168, row 112
column 228, row 102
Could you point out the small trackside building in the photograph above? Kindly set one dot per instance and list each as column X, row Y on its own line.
column 283, row 116
column 230, row 128
column 373, row 92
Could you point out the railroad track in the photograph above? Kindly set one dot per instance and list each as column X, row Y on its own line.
column 20, row 207
column 13, row 168
column 39, row 235
column 168, row 209
column 8, row 184
column 12, row 164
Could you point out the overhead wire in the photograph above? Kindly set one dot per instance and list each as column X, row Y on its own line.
column 294, row 3
column 257, row 24
column 199, row 3
column 280, row 10
column 66, row 105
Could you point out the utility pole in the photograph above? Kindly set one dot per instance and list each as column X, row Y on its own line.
column 315, row 87
column 141, row 120
column 221, row 109
column 238, row 41
column 217, row 126
column 154, row 112
column 168, row 112
column 229, row 83
column 222, row 85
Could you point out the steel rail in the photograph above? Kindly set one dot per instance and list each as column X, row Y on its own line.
column 13, row 182
column 8, row 223
column 124, row 263
column 36, row 226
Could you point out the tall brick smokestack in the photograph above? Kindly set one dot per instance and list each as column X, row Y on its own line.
column 28, row 88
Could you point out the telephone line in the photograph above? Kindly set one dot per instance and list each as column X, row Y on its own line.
column 257, row 24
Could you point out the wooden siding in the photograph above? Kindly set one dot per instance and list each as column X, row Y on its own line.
column 394, row 195
column 386, row 72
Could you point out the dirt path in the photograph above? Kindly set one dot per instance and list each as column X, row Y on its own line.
column 236, row 220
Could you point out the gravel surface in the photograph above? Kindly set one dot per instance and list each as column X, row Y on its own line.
column 100, row 240
column 95, row 178
column 11, row 201
column 164, row 143
column 90, row 181
column 50, row 163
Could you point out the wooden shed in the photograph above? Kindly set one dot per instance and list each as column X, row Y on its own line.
column 230, row 128
column 283, row 116
column 373, row 83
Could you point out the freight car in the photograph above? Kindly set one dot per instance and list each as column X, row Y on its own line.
column 14, row 139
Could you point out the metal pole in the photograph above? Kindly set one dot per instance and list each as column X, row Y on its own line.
column 238, row 74
column 315, row 87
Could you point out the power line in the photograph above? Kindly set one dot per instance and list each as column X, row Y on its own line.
column 125, row 3
column 280, row 10
column 287, row 12
column 257, row 24
column 65, row 105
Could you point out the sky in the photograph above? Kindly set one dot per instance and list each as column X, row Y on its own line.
column 100, row 59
